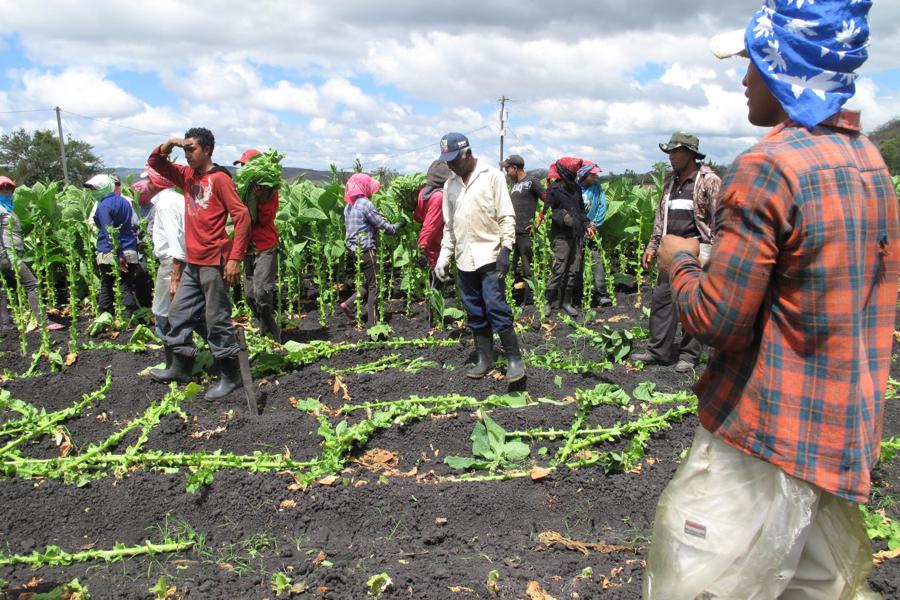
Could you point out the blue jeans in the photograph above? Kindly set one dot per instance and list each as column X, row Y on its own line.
column 484, row 295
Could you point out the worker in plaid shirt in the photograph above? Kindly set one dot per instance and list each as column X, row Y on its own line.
column 361, row 220
column 797, row 302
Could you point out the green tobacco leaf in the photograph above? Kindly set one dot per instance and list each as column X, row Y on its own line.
column 143, row 335
column 453, row 313
column 481, row 443
column 464, row 463
column 309, row 405
column 516, row 451
column 311, row 213
column 382, row 330
column 200, row 479
column 512, row 400
column 266, row 362
column 644, row 391
column 100, row 324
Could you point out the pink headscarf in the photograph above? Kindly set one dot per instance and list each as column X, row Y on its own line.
column 358, row 185
column 158, row 180
column 140, row 186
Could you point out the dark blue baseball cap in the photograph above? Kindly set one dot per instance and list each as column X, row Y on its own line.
column 451, row 144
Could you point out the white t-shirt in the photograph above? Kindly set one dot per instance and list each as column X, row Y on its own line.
column 168, row 225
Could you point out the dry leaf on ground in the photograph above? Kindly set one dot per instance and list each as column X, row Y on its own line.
column 539, row 473
column 378, row 459
column 554, row 538
column 880, row 557
column 534, row 592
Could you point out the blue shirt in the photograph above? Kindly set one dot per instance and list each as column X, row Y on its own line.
column 594, row 204
column 114, row 211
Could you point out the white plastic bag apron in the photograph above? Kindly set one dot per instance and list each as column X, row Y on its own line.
column 729, row 525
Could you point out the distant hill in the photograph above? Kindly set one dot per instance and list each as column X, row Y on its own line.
column 290, row 173
column 887, row 138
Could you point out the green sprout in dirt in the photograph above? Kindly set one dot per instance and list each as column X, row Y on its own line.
column 614, row 343
column 282, row 585
column 440, row 312
column 378, row 584
column 490, row 448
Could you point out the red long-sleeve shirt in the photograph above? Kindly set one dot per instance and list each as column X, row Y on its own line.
column 429, row 214
column 263, row 234
column 208, row 200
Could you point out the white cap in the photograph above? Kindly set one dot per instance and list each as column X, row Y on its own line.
column 99, row 181
column 726, row 45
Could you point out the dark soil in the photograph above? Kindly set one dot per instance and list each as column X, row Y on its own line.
column 435, row 539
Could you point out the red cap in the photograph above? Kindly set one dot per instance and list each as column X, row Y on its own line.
column 4, row 180
column 247, row 155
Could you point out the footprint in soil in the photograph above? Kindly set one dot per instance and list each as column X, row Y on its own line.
column 170, row 424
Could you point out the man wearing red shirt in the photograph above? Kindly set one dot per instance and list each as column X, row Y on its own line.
column 429, row 211
column 212, row 260
column 261, row 262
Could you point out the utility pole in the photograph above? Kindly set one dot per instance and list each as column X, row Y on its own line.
column 503, row 116
column 62, row 147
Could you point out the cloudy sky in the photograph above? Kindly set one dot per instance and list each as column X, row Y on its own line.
column 327, row 82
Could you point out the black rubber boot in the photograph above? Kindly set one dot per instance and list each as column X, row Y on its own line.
column 552, row 297
column 169, row 355
column 484, row 347
column 229, row 379
column 269, row 324
column 601, row 301
column 180, row 370
column 566, row 305
column 515, row 367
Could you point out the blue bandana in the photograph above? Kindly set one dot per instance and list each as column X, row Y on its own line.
column 807, row 51
column 6, row 202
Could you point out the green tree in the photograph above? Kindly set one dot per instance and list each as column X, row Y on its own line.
column 887, row 138
column 28, row 158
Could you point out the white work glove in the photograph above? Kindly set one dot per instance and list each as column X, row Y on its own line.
column 442, row 268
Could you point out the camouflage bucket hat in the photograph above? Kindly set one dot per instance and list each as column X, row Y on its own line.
column 681, row 139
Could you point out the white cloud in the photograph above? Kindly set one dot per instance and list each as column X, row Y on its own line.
column 303, row 99
column 78, row 89
column 686, row 78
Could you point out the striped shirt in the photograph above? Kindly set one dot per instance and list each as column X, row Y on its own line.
column 798, row 301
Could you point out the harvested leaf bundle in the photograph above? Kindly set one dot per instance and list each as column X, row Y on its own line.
column 261, row 171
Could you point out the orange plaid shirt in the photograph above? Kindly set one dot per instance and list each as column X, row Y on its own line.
column 798, row 301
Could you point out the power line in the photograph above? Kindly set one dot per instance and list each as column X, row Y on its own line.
column 420, row 148
column 114, row 124
column 32, row 110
